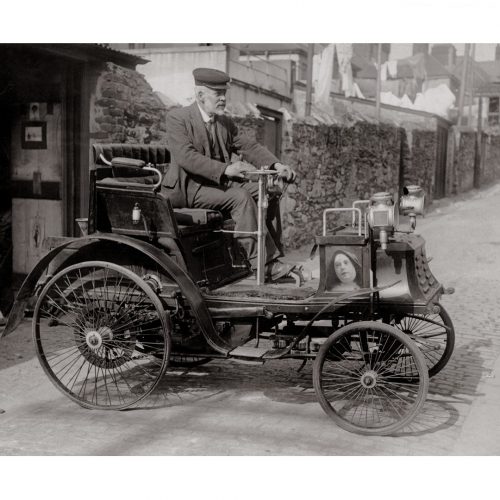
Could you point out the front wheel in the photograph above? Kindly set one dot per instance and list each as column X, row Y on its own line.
column 370, row 378
column 101, row 335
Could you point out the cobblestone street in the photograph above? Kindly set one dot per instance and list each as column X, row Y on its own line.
column 225, row 408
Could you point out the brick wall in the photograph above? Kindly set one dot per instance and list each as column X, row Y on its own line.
column 124, row 108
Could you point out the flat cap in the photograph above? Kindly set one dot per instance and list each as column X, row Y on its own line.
column 212, row 78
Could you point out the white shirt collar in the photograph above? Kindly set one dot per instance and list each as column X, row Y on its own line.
column 204, row 115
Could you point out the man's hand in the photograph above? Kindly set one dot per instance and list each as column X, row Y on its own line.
column 237, row 169
column 285, row 172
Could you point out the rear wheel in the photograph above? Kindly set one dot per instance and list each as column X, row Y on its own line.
column 434, row 335
column 101, row 335
column 370, row 378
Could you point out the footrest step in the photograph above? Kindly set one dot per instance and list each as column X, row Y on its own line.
column 249, row 352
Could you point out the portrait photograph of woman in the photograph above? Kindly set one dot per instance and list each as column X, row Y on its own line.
column 344, row 271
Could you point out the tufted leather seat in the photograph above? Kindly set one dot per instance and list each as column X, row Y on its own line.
column 134, row 179
column 150, row 153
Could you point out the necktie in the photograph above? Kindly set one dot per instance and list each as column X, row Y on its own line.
column 211, row 134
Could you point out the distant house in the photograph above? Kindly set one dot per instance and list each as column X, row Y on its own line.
column 491, row 112
column 490, row 90
column 262, row 75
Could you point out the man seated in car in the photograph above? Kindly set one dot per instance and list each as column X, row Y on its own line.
column 203, row 141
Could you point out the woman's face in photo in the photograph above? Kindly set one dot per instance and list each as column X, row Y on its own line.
column 344, row 268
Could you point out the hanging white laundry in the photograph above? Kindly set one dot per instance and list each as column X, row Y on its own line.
column 344, row 56
column 357, row 91
column 389, row 98
column 419, row 102
column 323, row 85
column 406, row 102
column 392, row 67
column 383, row 72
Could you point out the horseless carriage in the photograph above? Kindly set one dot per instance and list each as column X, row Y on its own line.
column 147, row 287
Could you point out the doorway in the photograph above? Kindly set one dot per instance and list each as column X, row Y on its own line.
column 6, row 294
column 272, row 129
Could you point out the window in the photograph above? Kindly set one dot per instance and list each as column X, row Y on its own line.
column 494, row 111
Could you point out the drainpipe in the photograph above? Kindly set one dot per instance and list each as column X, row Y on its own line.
column 379, row 80
column 471, row 77
column 463, row 83
column 310, row 54
column 478, row 144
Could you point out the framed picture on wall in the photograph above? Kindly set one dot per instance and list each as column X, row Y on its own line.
column 34, row 135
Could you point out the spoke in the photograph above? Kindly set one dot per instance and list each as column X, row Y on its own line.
column 66, row 353
column 340, row 370
column 85, row 380
column 338, row 385
column 58, row 319
column 65, row 312
column 75, row 376
column 67, row 367
column 388, row 399
column 397, row 395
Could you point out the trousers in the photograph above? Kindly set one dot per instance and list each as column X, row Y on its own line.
column 238, row 200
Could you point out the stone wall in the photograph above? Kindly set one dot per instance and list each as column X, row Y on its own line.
column 335, row 165
column 491, row 159
column 421, row 162
column 464, row 163
column 251, row 126
column 124, row 108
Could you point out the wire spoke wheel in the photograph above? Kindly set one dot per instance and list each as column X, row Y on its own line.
column 101, row 335
column 434, row 335
column 370, row 378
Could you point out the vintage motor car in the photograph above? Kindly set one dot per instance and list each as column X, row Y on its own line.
column 147, row 287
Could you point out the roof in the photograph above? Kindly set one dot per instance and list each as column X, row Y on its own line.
column 87, row 52
column 492, row 68
column 491, row 89
column 273, row 48
column 481, row 77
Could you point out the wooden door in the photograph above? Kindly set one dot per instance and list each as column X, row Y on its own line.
column 36, row 175
column 6, row 294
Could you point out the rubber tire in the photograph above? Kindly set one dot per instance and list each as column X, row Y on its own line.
column 407, row 342
column 151, row 295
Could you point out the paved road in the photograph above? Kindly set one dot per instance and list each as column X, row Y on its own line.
column 225, row 408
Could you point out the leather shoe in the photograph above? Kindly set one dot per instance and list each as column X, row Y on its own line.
column 277, row 269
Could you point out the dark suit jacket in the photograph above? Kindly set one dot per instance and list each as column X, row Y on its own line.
column 191, row 165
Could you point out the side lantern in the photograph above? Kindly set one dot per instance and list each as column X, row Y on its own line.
column 412, row 203
column 381, row 216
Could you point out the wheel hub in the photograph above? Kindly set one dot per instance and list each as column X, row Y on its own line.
column 369, row 379
column 95, row 338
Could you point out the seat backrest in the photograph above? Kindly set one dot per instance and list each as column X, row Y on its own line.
column 156, row 154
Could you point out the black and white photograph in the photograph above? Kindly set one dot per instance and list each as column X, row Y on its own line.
column 252, row 248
